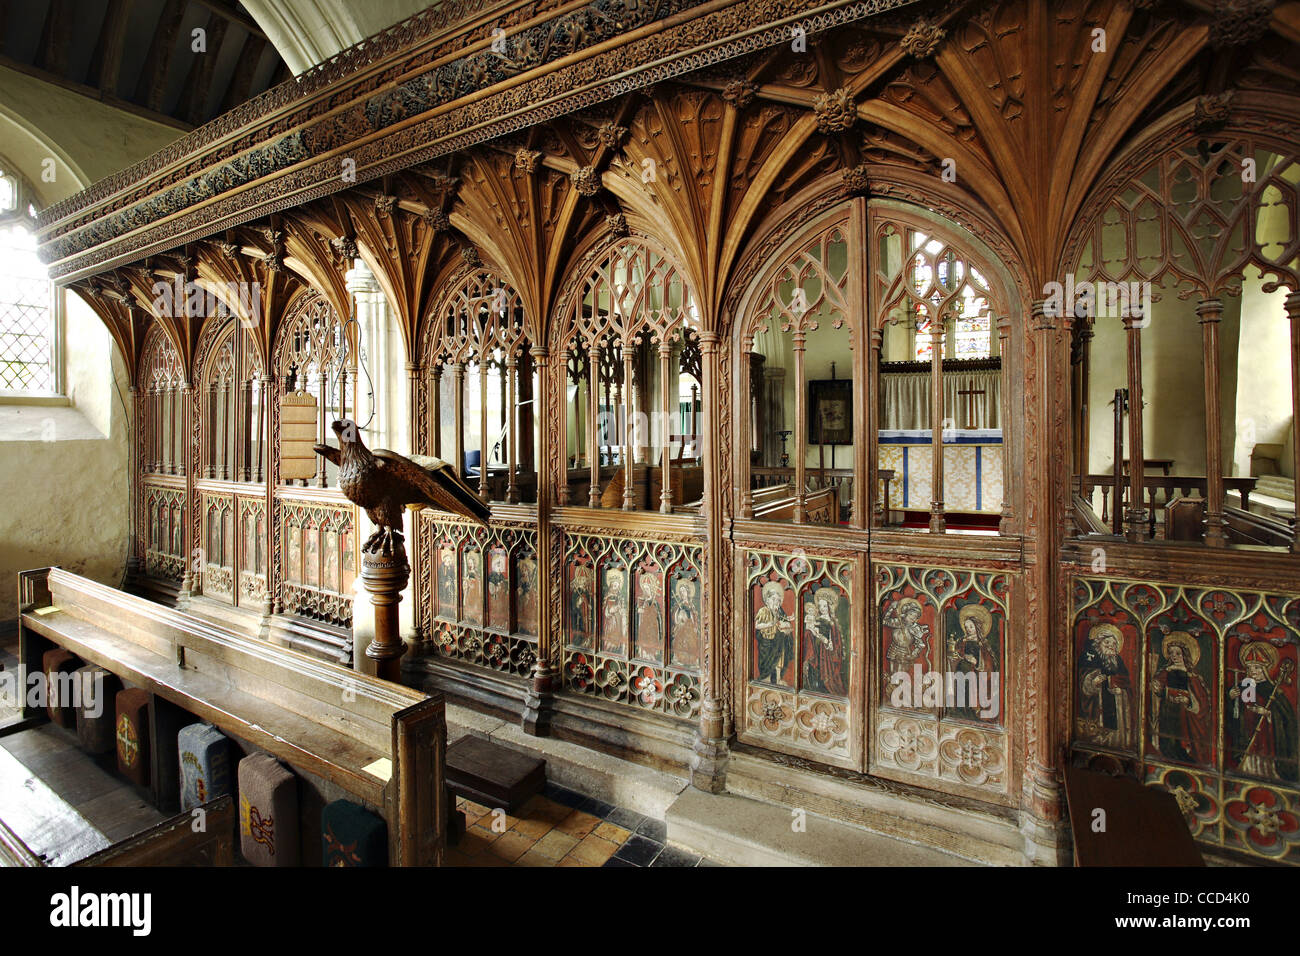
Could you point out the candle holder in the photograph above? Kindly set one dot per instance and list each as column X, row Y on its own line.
column 785, row 455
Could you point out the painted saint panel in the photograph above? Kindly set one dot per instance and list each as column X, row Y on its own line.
column 651, row 625
column 472, row 586
column 631, row 620
column 684, row 631
column 498, row 585
column 447, row 582
column 1105, row 680
column 1182, row 671
column 773, row 617
column 1219, row 723
column 614, row 602
column 973, row 649
column 942, row 709
column 580, row 610
column 825, row 621
column 908, row 632
column 526, row 575
column 1260, row 724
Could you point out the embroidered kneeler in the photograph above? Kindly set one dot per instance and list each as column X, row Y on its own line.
column 205, row 764
column 268, row 812
column 59, row 666
column 132, row 723
column 351, row 835
column 95, row 716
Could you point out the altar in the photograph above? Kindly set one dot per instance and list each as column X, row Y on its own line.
column 972, row 469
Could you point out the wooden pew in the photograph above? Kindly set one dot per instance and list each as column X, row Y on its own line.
column 383, row 743
column 820, row 507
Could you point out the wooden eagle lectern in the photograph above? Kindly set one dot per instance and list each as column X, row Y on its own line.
column 382, row 483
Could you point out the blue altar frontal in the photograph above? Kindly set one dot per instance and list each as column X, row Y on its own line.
column 972, row 469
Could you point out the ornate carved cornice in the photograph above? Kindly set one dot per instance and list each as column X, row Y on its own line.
column 285, row 148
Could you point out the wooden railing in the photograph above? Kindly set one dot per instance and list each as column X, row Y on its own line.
column 1159, row 490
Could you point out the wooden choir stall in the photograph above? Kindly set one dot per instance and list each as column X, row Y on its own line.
column 777, row 424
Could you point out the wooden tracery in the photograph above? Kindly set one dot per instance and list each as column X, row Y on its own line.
column 479, row 329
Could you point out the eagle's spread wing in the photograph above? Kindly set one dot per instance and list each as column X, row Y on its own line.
column 434, row 482
column 331, row 454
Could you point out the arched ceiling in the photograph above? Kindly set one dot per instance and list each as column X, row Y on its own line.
column 140, row 56
column 305, row 32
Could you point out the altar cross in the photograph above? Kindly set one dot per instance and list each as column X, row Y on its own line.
column 970, row 394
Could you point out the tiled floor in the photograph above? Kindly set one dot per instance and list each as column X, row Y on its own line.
column 561, row 828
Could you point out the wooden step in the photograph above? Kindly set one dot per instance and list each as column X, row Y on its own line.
column 491, row 774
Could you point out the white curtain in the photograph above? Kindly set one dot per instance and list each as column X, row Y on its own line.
column 905, row 399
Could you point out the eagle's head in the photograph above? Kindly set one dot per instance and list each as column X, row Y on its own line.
column 350, row 444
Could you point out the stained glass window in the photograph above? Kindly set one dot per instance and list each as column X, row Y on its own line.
column 970, row 321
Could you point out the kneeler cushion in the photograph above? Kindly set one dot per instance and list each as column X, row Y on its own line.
column 57, row 704
column 268, row 812
column 352, row 836
column 132, row 724
column 205, row 764
column 98, row 693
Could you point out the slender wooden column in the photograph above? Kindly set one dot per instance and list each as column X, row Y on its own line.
column 1045, row 633
column 210, row 433
column 189, row 408
column 798, row 339
column 322, row 380
column 1293, row 313
column 536, row 716
column 246, row 429
column 261, row 472
column 136, row 430
column 711, row 754
column 226, row 429
column 435, row 410
column 1210, row 311
column 937, row 523
column 593, row 412
column 484, row 448
column 1006, row 523
column 542, row 463
column 510, row 413
column 629, row 501
column 271, row 603
column 874, row 502
column 744, row 418
column 1136, row 515
column 458, row 400
column 525, row 446
column 666, row 432
column 414, row 378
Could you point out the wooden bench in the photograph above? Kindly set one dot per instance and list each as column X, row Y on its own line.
column 382, row 743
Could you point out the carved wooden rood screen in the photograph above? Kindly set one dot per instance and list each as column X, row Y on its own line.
column 753, row 349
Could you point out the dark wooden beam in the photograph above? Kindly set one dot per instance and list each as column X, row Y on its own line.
column 230, row 13
column 241, row 81
column 52, row 54
column 103, row 96
column 153, row 76
column 194, row 98
column 106, row 64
